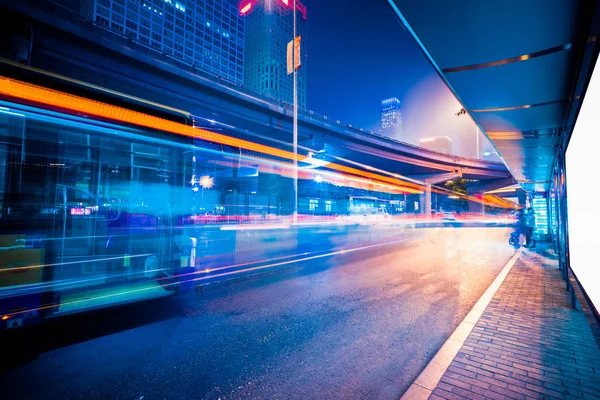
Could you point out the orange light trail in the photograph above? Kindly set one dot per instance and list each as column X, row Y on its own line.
column 32, row 93
column 285, row 170
column 15, row 89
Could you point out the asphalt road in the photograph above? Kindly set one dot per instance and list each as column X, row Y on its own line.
column 356, row 325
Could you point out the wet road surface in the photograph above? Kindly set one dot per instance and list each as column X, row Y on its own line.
column 354, row 325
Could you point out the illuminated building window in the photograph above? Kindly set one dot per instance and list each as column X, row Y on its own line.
column 149, row 22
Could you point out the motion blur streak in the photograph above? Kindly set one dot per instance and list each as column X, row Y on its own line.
column 32, row 93
column 334, row 253
column 19, row 90
column 95, row 260
column 231, row 273
column 62, row 284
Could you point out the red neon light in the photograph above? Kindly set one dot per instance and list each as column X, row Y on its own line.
column 299, row 6
column 246, row 8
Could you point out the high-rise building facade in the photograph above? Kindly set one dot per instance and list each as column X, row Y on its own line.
column 269, row 28
column 391, row 118
column 208, row 34
column 471, row 143
column 442, row 144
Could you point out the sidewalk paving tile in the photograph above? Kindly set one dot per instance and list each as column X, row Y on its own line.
column 528, row 343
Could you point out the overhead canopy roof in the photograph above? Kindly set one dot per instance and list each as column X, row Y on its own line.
column 518, row 67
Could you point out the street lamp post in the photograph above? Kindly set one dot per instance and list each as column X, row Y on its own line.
column 295, row 123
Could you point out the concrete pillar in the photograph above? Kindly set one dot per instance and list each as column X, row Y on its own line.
column 476, row 207
column 425, row 201
column 428, row 199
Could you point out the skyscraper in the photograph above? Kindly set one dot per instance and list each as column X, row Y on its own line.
column 208, row 34
column 269, row 28
column 471, row 142
column 391, row 118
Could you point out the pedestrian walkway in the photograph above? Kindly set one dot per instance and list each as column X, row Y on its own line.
column 527, row 344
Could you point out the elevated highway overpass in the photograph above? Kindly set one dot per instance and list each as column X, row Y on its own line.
column 70, row 47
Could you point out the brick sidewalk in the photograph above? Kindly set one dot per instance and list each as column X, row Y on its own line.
column 528, row 344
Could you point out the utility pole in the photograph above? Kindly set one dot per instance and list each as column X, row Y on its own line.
column 295, row 140
column 477, row 138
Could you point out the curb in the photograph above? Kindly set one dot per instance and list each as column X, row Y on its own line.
column 427, row 381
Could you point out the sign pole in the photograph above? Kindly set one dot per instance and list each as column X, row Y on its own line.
column 295, row 134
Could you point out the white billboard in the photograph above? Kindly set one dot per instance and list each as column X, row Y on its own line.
column 583, row 193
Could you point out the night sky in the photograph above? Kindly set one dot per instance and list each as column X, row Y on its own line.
column 358, row 54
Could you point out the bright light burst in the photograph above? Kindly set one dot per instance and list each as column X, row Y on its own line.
column 206, row 182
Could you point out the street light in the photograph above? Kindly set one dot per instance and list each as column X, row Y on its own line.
column 295, row 124
column 206, row 182
column 245, row 9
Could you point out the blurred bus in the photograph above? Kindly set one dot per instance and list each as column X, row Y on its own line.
column 107, row 199
column 86, row 208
